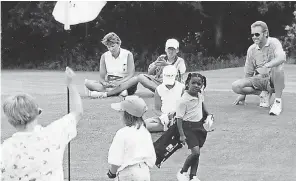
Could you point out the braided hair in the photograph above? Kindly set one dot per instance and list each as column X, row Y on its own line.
column 190, row 75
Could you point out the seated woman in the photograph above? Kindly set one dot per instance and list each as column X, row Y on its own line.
column 116, row 67
column 166, row 96
column 154, row 76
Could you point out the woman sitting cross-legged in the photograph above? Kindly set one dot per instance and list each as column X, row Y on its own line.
column 116, row 67
column 154, row 76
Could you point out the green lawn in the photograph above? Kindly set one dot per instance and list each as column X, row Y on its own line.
column 247, row 144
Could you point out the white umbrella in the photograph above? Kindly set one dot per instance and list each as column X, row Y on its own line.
column 76, row 12
column 72, row 13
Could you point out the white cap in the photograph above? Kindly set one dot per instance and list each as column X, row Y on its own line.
column 169, row 75
column 172, row 43
column 134, row 105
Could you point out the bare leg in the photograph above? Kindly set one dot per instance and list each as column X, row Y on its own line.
column 153, row 124
column 146, row 82
column 244, row 87
column 93, row 85
column 124, row 86
column 278, row 80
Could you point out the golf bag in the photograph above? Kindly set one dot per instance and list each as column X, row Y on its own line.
column 169, row 142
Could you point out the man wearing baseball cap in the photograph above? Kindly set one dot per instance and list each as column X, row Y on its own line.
column 131, row 154
column 165, row 98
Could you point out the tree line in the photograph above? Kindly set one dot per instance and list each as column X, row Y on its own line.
column 31, row 38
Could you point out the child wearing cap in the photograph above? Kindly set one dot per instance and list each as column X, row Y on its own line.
column 116, row 67
column 165, row 98
column 131, row 154
column 154, row 76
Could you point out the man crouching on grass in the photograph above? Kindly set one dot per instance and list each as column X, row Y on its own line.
column 264, row 71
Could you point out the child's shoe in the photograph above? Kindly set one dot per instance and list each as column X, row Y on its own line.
column 195, row 179
column 182, row 176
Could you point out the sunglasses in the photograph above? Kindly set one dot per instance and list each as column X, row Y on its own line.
column 256, row 34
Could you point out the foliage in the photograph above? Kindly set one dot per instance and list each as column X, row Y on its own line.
column 31, row 38
column 289, row 42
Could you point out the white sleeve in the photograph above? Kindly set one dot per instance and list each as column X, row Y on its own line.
column 152, row 157
column 181, row 66
column 116, row 150
column 63, row 129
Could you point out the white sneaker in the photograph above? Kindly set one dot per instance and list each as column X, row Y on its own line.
column 276, row 108
column 264, row 99
column 182, row 176
column 124, row 93
column 96, row 94
column 195, row 179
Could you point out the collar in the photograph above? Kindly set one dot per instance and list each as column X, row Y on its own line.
column 118, row 55
column 189, row 97
column 266, row 45
column 37, row 128
column 166, row 88
column 167, row 59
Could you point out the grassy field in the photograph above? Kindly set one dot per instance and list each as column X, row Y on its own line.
column 247, row 145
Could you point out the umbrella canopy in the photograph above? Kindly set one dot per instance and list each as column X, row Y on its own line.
column 76, row 12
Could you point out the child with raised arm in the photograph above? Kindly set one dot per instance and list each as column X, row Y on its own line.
column 190, row 122
column 35, row 152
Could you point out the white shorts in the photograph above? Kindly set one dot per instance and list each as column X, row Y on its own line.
column 136, row 172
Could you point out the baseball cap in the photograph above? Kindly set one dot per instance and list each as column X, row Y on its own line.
column 172, row 43
column 169, row 75
column 134, row 105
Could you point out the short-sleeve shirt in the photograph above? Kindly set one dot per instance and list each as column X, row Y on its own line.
column 189, row 108
column 169, row 97
column 131, row 146
column 257, row 57
column 179, row 63
column 38, row 155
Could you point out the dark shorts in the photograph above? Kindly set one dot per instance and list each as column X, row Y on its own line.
column 195, row 133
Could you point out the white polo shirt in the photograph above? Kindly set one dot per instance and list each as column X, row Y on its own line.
column 117, row 66
column 131, row 146
column 38, row 155
column 169, row 97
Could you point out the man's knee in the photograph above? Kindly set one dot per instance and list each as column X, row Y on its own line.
column 237, row 86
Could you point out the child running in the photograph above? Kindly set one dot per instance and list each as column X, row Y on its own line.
column 165, row 99
column 132, row 153
column 189, row 114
